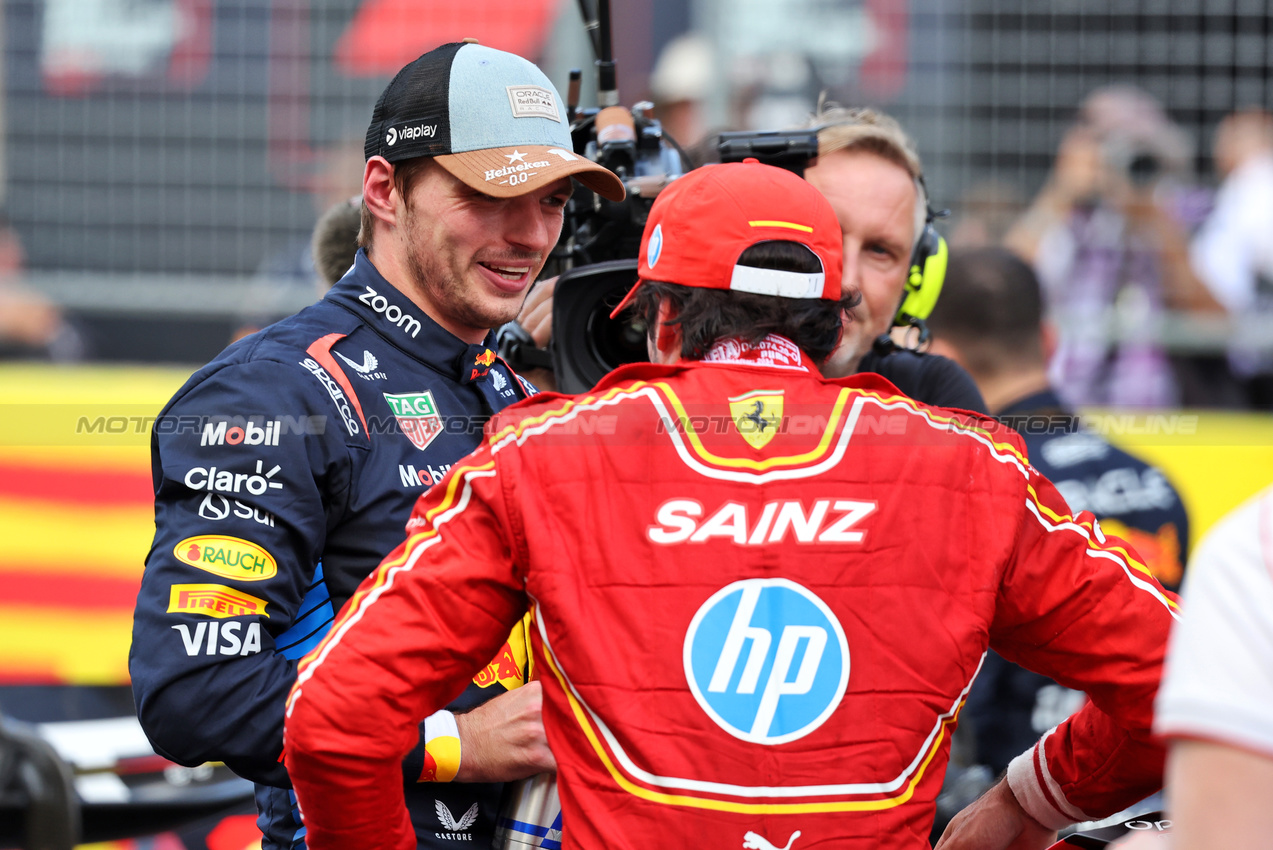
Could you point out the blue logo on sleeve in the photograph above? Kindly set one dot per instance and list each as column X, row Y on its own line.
column 767, row 660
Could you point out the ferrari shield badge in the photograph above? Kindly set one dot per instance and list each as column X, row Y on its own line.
column 757, row 416
column 417, row 415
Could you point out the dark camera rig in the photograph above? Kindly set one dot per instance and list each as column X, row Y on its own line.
column 595, row 258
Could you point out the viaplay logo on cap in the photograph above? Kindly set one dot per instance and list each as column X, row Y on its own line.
column 412, row 130
column 655, row 248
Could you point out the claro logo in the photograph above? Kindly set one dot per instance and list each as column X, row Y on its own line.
column 392, row 312
column 217, row 480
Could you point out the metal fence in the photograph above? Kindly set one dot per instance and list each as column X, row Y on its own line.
column 188, row 145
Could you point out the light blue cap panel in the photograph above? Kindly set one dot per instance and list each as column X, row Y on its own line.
column 486, row 114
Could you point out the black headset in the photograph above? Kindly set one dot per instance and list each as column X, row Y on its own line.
column 927, row 270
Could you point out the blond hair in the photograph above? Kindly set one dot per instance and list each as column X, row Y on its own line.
column 862, row 129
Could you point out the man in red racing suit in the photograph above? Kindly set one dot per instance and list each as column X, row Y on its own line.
column 760, row 599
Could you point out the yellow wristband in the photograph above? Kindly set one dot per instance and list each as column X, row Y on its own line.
column 441, row 748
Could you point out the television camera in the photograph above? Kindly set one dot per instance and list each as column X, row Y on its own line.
column 595, row 258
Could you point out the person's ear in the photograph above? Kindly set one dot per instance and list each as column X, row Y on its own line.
column 1048, row 340
column 379, row 192
column 667, row 337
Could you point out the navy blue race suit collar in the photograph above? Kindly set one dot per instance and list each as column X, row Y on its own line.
column 367, row 294
column 1042, row 400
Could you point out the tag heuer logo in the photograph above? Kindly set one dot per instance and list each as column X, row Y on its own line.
column 417, row 415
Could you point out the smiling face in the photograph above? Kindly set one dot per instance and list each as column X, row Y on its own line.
column 874, row 199
column 471, row 257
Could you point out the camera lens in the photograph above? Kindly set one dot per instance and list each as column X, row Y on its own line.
column 1143, row 169
column 587, row 343
column 614, row 342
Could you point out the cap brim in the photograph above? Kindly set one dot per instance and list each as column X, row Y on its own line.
column 509, row 172
column 627, row 299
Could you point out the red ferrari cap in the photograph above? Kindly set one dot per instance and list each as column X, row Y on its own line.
column 701, row 224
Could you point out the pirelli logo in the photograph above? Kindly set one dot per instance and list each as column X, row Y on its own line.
column 213, row 600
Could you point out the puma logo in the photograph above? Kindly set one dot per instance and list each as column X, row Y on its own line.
column 752, row 841
column 369, row 362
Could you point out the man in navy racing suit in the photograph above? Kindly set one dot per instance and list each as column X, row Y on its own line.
column 285, row 470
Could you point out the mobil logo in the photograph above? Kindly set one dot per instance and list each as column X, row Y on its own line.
column 767, row 660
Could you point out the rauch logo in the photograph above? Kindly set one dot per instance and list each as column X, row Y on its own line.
column 231, row 557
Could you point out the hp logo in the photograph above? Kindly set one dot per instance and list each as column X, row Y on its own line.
column 767, row 660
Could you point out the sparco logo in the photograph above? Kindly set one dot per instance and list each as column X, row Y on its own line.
column 406, row 134
column 333, row 390
column 392, row 312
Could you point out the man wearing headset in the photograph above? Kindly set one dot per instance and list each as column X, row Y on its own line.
column 869, row 170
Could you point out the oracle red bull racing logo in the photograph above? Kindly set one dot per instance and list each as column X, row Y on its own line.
column 417, row 416
column 767, row 660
